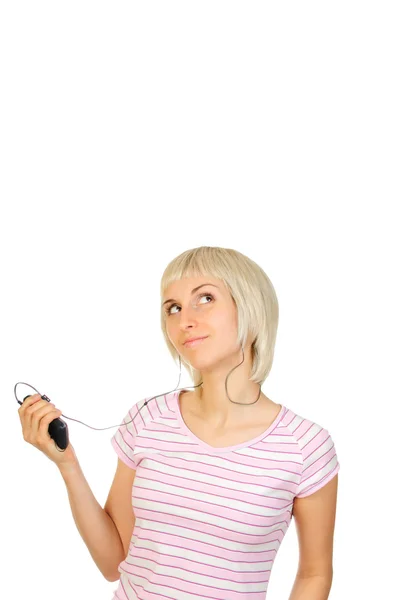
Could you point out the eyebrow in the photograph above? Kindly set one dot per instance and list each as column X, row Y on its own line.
column 193, row 291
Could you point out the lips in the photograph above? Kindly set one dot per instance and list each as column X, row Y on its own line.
column 187, row 342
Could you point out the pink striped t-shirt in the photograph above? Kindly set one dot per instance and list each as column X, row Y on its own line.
column 209, row 521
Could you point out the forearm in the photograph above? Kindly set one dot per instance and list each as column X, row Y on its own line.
column 95, row 526
column 316, row 587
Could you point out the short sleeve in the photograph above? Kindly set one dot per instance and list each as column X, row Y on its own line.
column 320, row 463
column 124, row 439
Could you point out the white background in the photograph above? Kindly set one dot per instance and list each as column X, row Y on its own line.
column 131, row 132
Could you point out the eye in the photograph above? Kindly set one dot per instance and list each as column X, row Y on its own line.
column 168, row 310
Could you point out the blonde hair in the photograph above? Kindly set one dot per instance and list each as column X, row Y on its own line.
column 252, row 292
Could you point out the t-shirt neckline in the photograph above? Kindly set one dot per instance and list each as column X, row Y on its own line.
column 222, row 449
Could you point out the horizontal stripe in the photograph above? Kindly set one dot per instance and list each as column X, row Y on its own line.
column 209, row 521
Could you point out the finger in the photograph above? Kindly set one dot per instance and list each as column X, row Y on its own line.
column 25, row 412
column 43, row 434
column 28, row 402
column 28, row 419
column 37, row 414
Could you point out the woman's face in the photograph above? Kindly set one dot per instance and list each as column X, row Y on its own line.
column 208, row 311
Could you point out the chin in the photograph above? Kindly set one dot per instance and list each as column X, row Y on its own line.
column 206, row 363
column 200, row 363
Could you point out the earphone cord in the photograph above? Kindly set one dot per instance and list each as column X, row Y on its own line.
column 146, row 401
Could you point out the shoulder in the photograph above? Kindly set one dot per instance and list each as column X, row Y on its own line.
column 318, row 452
column 303, row 429
column 146, row 410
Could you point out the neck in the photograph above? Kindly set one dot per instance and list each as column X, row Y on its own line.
column 213, row 404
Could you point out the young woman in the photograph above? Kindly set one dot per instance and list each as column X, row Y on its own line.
column 209, row 479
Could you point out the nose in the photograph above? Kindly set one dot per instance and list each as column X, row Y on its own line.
column 187, row 316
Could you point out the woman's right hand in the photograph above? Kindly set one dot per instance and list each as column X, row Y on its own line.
column 36, row 415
